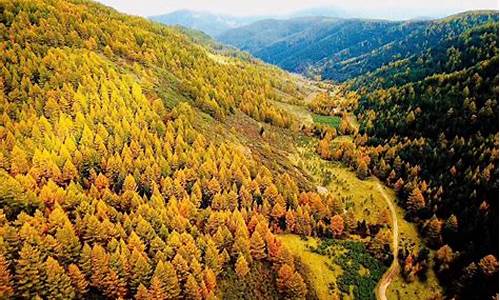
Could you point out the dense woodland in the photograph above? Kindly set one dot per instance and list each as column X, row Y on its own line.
column 342, row 49
column 114, row 184
column 111, row 187
column 429, row 128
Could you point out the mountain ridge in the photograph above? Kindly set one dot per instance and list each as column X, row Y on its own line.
column 328, row 49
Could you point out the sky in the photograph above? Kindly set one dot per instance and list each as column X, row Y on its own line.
column 387, row 9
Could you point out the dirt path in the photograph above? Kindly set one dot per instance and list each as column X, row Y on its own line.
column 393, row 270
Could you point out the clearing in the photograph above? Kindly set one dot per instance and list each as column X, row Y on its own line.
column 318, row 271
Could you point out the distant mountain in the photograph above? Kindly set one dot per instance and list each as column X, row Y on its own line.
column 216, row 24
column 260, row 35
column 342, row 49
column 322, row 11
column 211, row 24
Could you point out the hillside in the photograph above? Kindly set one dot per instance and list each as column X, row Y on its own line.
column 143, row 161
column 342, row 49
column 439, row 137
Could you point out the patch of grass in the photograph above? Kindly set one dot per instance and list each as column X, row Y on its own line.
column 399, row 289
column 299, row 112
column 361, row 271
column 321, row 272
column 332, row 121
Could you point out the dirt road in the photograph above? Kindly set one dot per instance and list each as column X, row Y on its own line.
column 393, row 270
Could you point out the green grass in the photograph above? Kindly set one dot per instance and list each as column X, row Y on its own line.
column 362, row 271
column 332, row 121
column 399, row 289
column 319, row 273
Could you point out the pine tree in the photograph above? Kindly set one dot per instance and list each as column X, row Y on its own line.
column 19, row 162
column 6, row 288
column 297, row 289
column 434, row 229
column 290, row 283
column 444, row 257
column 210, row 279
column 69, row 244
column 452, row 224
column 69, row 171
column 142, row 293
column 140, row 271
column 30, row 273
column 58, row 283
column 212, row 257
column 284, row 274
column 191, row 289
column 241, row 267
column 156, row 291
column 416, row 201
column 488, row 265
column 257, row 246
column 113, row 286
column 181, row 267
column 362, row 170
column 337, row 225
column 78, row 280
column 100, row 266
column 165, row 272
column 86, row 260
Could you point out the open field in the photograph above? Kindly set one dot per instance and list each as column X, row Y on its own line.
column 332, row 121
column 320, row 274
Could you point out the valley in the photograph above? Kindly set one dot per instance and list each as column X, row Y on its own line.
column 367, row 198
column 144, row 161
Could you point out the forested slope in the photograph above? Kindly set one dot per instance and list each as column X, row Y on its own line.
column 133, row 161
column 429, row 128
column 437, row 144
column 342, row 49
column 116, row 176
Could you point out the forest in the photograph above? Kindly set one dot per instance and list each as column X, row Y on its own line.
column 342, row 49
column 143, row 161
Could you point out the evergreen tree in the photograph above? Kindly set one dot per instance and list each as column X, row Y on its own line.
column 415, row 201
column 191, row 289
column 167, row 277
column 69, row 244
column 257, row 246
column 6, row 287
column 156, row 291
column 337, row 225
column 30, row 273
column 241, row 267
column 140, row 271
column 58, row 283
column 142, row 293
column 78, row 280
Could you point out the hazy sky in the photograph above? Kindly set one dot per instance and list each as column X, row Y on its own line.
column 362, row 8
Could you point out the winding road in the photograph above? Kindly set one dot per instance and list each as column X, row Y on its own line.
column 393, row 270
